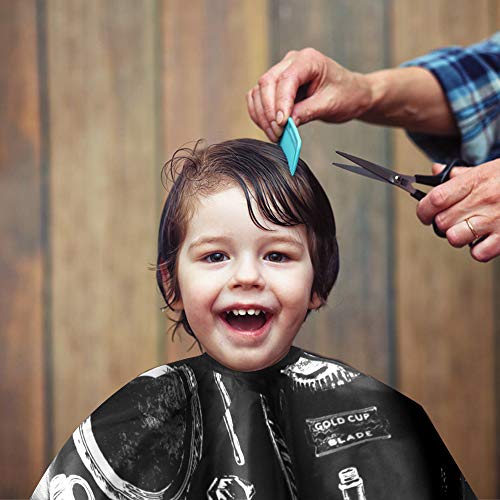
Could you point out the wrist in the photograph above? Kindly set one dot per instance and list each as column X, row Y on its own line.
column 411, row 98
column 376, row 91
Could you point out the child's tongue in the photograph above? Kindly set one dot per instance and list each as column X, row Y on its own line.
column 246, row 322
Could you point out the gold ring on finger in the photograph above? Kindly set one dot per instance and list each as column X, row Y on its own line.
column 471, row 227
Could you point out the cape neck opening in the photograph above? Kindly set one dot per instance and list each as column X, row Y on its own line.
column 290, row 358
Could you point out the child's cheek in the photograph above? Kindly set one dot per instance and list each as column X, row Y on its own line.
column 294, row 283
column 200, row 293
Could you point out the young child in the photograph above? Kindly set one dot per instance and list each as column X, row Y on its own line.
column 245, row 253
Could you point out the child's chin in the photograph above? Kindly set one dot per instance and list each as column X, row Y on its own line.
column 243, row 360
column 250, row 366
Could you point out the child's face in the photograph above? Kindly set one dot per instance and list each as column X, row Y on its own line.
column 244, row 267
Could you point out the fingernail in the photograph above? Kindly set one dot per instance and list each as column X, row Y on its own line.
column 276, row 128
column 279, row 117
column 270, row 134
column 297, row 121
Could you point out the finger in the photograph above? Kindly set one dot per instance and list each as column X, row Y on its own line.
column 482, row 201
column 309, row 109
column 442, row 197
column 267, row 85
column 299, row 72
column 462, row 234
column 261, row 117
column 487, row 249
column 251, row 107
column 437, row 168
column 455, row 171
column 276, row 129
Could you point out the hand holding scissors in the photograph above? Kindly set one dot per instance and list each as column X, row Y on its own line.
column 377, row 172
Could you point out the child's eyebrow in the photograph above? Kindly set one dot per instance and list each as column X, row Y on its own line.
column 205, row 240
column 283, row 239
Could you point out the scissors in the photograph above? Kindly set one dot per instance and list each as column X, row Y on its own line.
column 383, row 174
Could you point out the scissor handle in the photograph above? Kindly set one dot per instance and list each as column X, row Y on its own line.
column 437, row 230
column 472, row 244
column 418, row 195
column 435, row 180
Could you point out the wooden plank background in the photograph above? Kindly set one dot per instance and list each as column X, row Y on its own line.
column 96, row 96
column 22, row 388
column 103, row 171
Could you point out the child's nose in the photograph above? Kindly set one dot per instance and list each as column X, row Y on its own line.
column 247, row 274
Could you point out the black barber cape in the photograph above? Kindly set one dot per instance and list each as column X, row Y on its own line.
column 306, row 428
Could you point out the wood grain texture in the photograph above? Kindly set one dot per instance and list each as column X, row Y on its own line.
column 356, row 324
column 22, row 432
column 101, row 65
column 212, row 54
column 445, row 299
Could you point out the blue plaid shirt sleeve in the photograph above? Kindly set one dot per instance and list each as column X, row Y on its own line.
column 470, row 78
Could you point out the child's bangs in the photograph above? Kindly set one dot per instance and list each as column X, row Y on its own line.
column 272, row 202
column 263, row 176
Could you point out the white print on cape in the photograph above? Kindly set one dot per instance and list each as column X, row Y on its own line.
column 318, row 374
column 114, row 486
column 444, row 482
column 230, row 488
column 351, row 485
column 157, row 371
column 339, row 431
column 61, row 487
column 228, row 420
column 280, row 448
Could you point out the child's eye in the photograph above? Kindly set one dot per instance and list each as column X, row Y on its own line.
column 213, row 258
column 277, row 257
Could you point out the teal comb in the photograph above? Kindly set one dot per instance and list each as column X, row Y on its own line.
column 291, row 143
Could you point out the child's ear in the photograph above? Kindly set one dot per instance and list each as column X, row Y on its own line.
column 316, row 302
column 165, row 279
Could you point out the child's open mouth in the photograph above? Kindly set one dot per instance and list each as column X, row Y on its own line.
column 249, row 320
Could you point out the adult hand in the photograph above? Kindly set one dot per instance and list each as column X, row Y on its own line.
column 473, row 195
column 333, row 93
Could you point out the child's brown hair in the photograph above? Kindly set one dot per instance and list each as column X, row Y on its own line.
column 261, row 169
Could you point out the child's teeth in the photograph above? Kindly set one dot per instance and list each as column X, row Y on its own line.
column 242, row 312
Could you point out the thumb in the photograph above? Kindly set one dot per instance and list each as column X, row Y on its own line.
column 458, row 171
column 437, row 168
column 309, row 109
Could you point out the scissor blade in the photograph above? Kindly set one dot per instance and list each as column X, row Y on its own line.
column 378, row 170
column 359, row 170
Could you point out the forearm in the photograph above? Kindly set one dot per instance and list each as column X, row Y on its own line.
column 410, row 98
